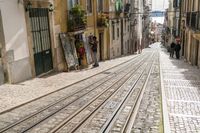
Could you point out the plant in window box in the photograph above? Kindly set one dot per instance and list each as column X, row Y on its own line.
column 102, row 20
column 77, row 19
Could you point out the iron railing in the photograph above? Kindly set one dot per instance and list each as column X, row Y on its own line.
column 76, row 22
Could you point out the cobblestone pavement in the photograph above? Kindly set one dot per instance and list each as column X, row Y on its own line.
column 13, row 95
column 104, row 103
column 114, row 92
column 149, row 116
column 181, row 84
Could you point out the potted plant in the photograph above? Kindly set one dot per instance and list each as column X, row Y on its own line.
column 103, row 20
column 77, row 19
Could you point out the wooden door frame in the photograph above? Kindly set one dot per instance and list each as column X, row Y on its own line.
column 40, row 4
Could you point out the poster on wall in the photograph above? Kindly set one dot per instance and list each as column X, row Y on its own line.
column 69, row 51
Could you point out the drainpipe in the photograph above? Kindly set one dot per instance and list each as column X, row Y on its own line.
column 180, row 18
column 95, row 16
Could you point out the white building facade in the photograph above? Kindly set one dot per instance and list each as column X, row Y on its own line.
column 27, row 39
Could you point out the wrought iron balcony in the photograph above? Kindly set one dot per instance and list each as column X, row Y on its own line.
column 103, row 20
column 76, row 19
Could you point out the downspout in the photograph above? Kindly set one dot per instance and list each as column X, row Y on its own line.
column 95, row 16
column 180, row 18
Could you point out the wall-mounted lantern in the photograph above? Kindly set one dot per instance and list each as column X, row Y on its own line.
column 51, row 8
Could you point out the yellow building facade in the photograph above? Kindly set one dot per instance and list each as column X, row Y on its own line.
column 190, row 27
column 104, row 19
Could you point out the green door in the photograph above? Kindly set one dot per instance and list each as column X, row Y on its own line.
column 39, row 20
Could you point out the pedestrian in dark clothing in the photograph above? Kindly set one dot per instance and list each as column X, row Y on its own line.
column 177, row 50
column 172, row 48
column 94, row 44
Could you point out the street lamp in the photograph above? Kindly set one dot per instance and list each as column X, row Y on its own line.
column 51, row 7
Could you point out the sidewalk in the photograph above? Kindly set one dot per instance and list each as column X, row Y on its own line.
column 181, row 85
column 14, row 95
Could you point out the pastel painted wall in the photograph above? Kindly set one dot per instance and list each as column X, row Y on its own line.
column 15, row 28
column 16, row 42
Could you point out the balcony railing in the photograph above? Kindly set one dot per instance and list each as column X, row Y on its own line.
column 103, row 20
column 76, row 19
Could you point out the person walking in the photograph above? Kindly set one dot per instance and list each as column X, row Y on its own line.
column 172, row 48
column 94, row 44
column 177, row 50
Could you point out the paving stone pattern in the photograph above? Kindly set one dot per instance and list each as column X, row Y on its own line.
column 149, row 117
column 182, row 89
column 13, row 95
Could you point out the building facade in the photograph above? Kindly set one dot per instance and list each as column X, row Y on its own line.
column 30, row 43
column 190, row 27
column 169, row 24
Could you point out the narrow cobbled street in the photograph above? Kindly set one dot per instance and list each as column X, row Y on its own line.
column 149, row 92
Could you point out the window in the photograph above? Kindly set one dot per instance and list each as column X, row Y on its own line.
column 193, row 6
column 184, row 6
column 100, row 5
column 113, row 31
column 72, row 3
column 76, row 2
column 89, row 6
column 118, row 32
column 128, row 28
column 125, row 26
column 188, row 6
column 198, row 5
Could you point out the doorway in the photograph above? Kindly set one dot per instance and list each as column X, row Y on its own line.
column 39, row 20
column 136, row 47
column 122, row 37
column 183, row 44
column 196, row 53
column 101, row 45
